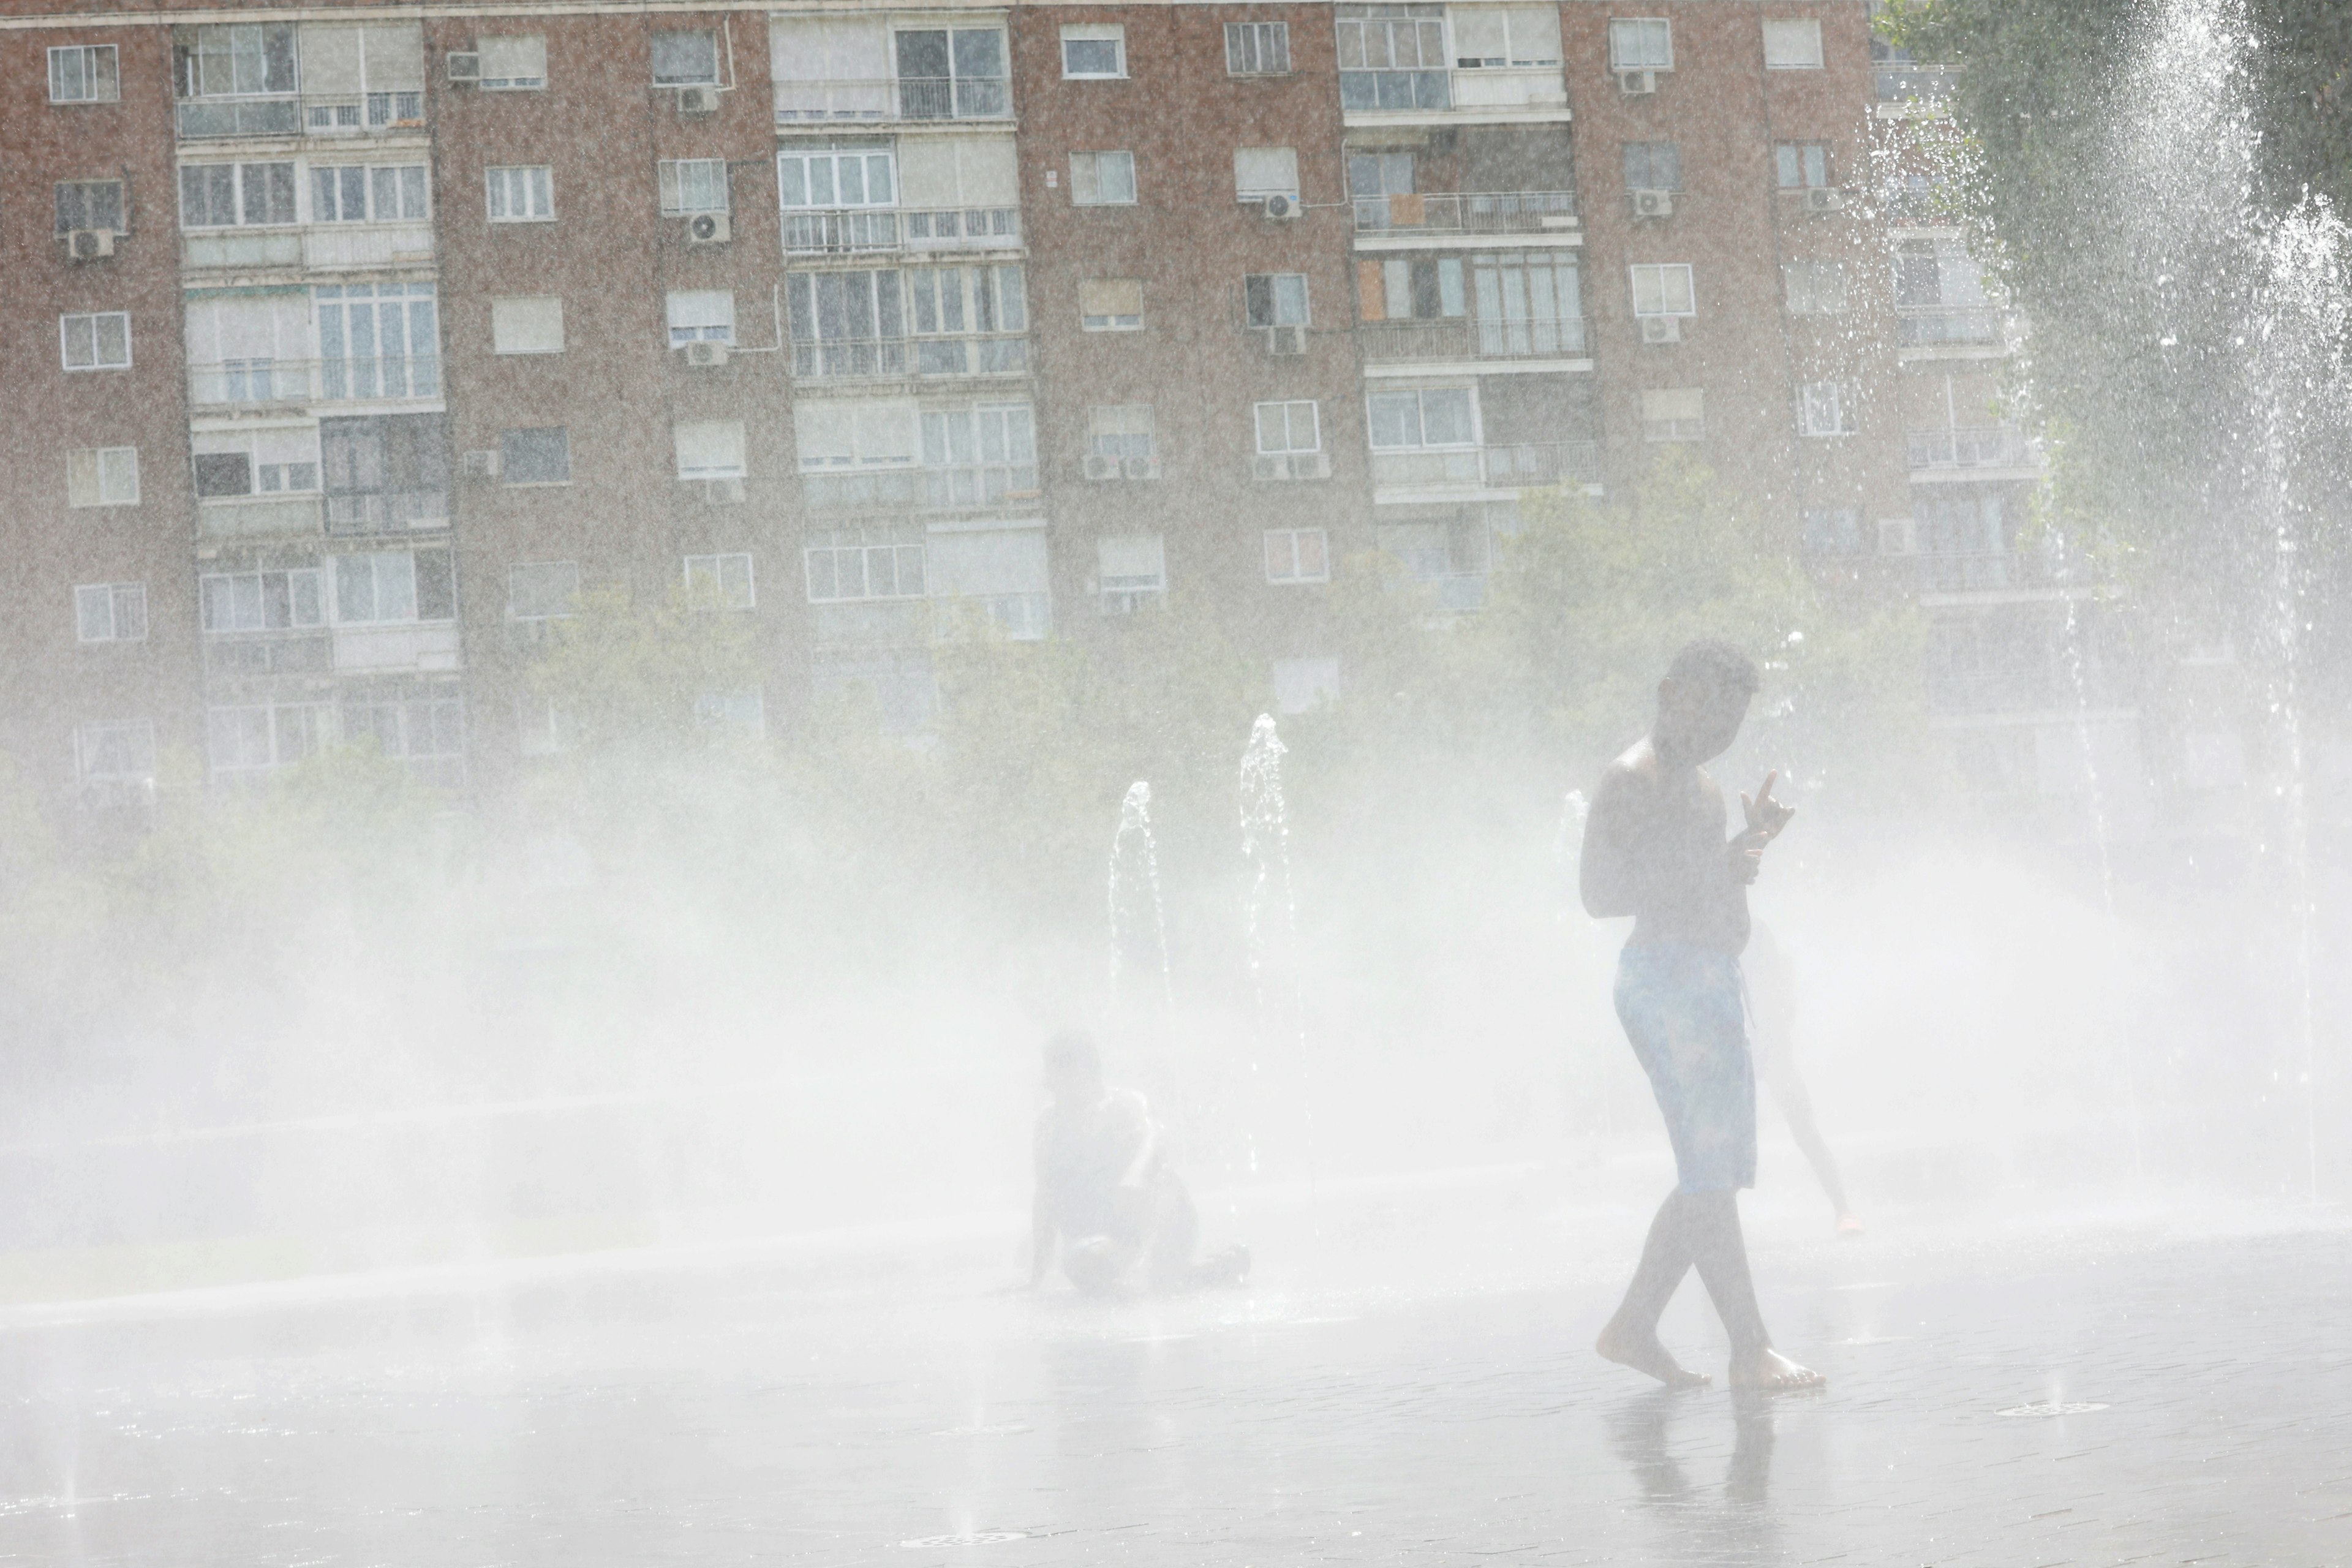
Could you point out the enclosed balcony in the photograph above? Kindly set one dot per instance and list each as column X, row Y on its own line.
column 1465, row 213
column 275, row 79
column 951, row 487
column 1421, row 342
column 260, row 384
column 1459, row 64
column 904, row 359
column 1968, row 452
column 1520, row 466
column 315, row 248
column 849, row 69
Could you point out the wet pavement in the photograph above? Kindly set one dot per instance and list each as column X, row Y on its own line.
column 1406, row 1383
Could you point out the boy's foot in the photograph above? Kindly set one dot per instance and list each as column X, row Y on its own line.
column 1643, row 1353
column 1770, row 1372
column 1849, row 1228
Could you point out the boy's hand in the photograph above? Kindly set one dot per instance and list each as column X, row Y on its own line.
column 1766, row 815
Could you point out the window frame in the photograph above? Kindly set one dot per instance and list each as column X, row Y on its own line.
column 208, row 599
column 1843, row 403
column 1273, row 292
column 562, row 341
column 1111, row 32
column 492, row 194
column 890, row 539
column 652, row 49
column 1820, row 53
column 65, row 345
column 97, row 467
column 721, row 595
column 1650, row 158
column 1313, row 416
column 708, row 332
column 114, row 597
column 1247, row 194
column 121, row 225
column 84, row 734
column 1421, row 396
column 322, row 177
column 1664, row 268
column 505, row 462
column 740, row 469
column 1237, row 32
column 1293, row 538
column 571, row 598
column 669, row 179
column 1617, row 62
column 241, row 195
column 90, row 53
column 1092, row 178
column 1787, row 156
column 807, row 156
column 1114, row 322
column 513, row 83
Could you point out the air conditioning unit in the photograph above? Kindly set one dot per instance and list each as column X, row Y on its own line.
column 1824, row 199
column 1898, row 536
column 482, row 465
column 1279, row 205
column 1286, row 340
column 705, row 356
column 1654, row 203
column 698, row 100
column 723, row 492
column 1101, row 467
column 89, row 244
column 1292, row 465
column 708, row 229
column 464, row 66
column 1661, row 328
column 1138, row 467
column 1637, row 82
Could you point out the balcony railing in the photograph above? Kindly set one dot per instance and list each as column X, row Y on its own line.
column 959, row 486
column 1526, row 465
column 834, row 231
column 324, row 247
column 340, row 114
column 872, row 359
column 875, row 100
column 1986, row 571
column 387, row 511
column 1900, row 81
column 249, row 383
column 1464, row 91
column 1461, row 338
column 1933, row 325
column 1982, row 447
column 992, row 229
column 1467, row 212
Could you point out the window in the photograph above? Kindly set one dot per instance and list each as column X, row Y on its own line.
column 1663, row 290
column 216, row 195
column 854, row 174
column 543, row 590
column 1408, row 290
column 103, row 476
column 522, row 195
column 377, row 194
column 394, row 587
column 683, row 58
column 84, row 73
column 527, row 326
column 1492, row 37
column 1801, row 166
column 118, row 751
column 1287, row 428
column 720, row 582
column 980, row 457
column 846, row 323
column 952, row 302
column 263, row 601
column 1393, row 57
column 1641, row 44
column 1130, row 569
column 1102, row 179
column 883, row 563
column 701, row 315
column 1814, row 288
column 255, row 738
column 1094, row 49
column 1373, row 175
column 1122, row 430
column 1297, row 555
column 1654, row 166
column 708, row 449
column 1110, row 304
column 1676, row 414
column 428, row 733
column 951, row 74
column 1274, row 299
column 1263, row 172
column 378, row 340
column 110, row 612
column 539, row 456
column 101, row 341
column 1426, row 417
column 1829, row 408
column 516, row 63
column 1831, row 531
column 90, row 204
column 694, row 185
column 1793, row 45
column 274, row 461
column 1257, row 49
column 236, row 60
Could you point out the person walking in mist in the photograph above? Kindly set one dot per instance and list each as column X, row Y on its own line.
column 1655, row 849
column 1105, row 1192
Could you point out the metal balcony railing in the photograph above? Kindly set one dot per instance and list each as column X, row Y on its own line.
column 1461, row 338
column 1932, row 325
column 371, row 379
column 877, row 99
column 869, row 359
column 969, row 228
column 953, row 487
column 1526, row 465
column 1898, row 81
column 386, row 511
column 1466, row 212
column 323, row 248
column 1463, row 89
column 837, row 230
column 289, row 114
column 1982, row 447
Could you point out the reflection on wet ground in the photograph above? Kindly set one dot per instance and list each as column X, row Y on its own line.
column 2093, row 1394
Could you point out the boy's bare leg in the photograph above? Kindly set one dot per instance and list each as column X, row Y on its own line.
column 1720, row 1253
column 1631, row 1338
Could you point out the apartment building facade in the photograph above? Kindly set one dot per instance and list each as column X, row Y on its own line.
column 877, row 327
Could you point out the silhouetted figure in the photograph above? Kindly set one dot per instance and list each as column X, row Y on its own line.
column 1105, row 1192
column 1772, row 1014
column 1655, row 849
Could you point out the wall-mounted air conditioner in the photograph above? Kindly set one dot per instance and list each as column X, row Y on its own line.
column 1101, row 467
column 89, row 244
column 1898, row 536
column 1637, row 82
column 480, row 466
column 698, row 100
column 723, row 492
column 465, row 66
column 708, row 229
column 705, row 356
column 1824, row 199
column 1138, row 467
column 1291, row 466
column 1279, row 205
column 1654, row 203
column 1661, row 328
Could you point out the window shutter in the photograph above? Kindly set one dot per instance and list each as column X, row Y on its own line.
column 395, row 58
column 1371, row 292
column 927, row 174
column 708, row 446
column 514, row 58
column 1265, row 171
column 331, row 58
column 990, row 171
column 1534, row 35
column 527, row 326
column 825, row 433
column 1110, row 297
column 1478, row 34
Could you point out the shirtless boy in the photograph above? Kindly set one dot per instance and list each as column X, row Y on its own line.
column 1655, row 849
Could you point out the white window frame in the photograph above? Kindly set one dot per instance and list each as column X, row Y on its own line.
column 708, row 35
column 506, row 475
column 1259, row 192
column 499, row 181
column 375, row 559
column 222, row 608
column 1111, row 32
column 523, row 41
column 1274, row 297
column 1114, row 322
column 865, row 157
column 1289, row 406
column 744, row 709
column 122, row 202
column 1829, row 408
column 1801, row 287
column 1125, row 592
column 724, row 581
column 1645, row 29
column 1086, row 182
column 1257, row 40
column 313, row 721
column 89, row 55
column 699, row 331
column 1112, row 428
column 1421, row 396
column 1789, row 28
column 571, row 598
column 1662, row 275
column 118, row 603
column 1675, row 427
column 90, row 732
column 371, row 188
column 902, row 543
column 1286, row 546
column 1789, row 156
column 672, row 177
column 241, row 175
column 65, row 339
column 104, row 463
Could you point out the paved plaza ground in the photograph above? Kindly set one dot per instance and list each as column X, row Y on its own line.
column 1407, row 1382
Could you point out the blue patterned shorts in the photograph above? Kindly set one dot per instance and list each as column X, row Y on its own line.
column 1685, row 1010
